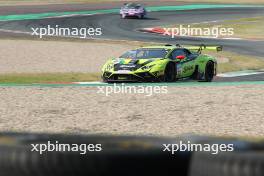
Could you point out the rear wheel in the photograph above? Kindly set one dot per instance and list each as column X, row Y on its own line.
column 170, row 73
column 141, row 16
column 209, row 72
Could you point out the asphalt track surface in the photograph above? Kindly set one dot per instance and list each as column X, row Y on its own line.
column 113, row 27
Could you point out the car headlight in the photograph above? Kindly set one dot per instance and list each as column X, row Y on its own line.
column 146, row 67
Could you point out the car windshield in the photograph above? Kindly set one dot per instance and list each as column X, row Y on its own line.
column 132, row 5
column 145, row 54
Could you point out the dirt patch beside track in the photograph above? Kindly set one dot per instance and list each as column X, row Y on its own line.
column 228, row 110
column 25, row 56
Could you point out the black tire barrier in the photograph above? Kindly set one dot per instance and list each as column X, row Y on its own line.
column 127, row 155
column 120, row 156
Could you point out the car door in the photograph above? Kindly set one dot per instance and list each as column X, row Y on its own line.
column 178, row 65
column 187, row 64
column 185, row 67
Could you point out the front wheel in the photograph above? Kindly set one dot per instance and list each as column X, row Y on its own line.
column 170, row 73
column 123, row 16
column 209, row 72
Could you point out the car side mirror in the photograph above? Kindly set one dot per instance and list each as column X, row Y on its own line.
column 181, row 57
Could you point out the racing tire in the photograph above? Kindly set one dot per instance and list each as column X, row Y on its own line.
column 209, row 72
column 123, row 16
column 104, row 80
column 244, row 163
column 170, row 73
column 195, row 75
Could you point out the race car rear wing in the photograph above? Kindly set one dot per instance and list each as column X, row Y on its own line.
column 201, row 47
column 204, row 47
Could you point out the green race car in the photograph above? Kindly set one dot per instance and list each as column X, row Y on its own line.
column 166, row 63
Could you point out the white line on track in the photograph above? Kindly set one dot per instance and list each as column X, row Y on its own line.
column 89, row 82
column 71, row 15
column 240, row 73
column 64, row 16
column 14, row 31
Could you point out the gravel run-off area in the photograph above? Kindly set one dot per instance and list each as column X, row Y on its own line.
column 209, row 110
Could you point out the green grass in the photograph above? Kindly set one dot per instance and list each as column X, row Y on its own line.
column 227, row 1
column 25, row 78
column 248, row 28
column 236, row 62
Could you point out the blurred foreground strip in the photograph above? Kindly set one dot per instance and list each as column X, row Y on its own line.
column 126, row 155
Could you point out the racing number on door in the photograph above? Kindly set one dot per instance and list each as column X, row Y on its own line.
column 188, row 68
column 185, row 67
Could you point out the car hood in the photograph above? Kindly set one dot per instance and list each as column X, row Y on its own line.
column 129, row 61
